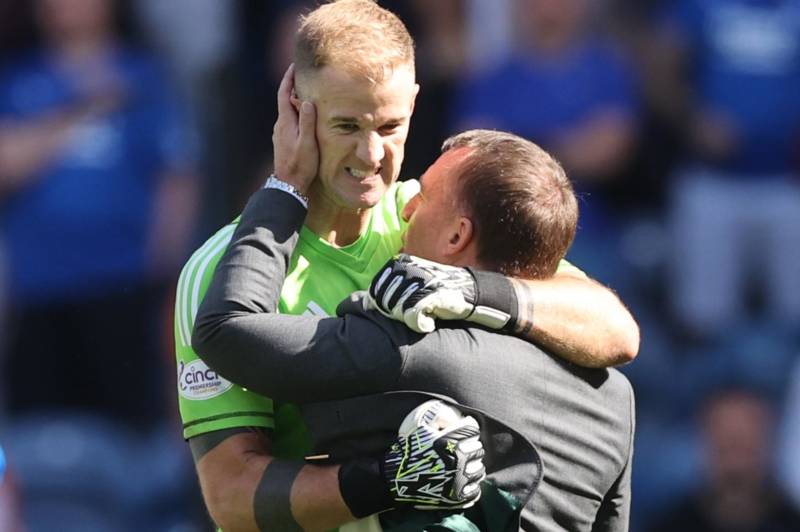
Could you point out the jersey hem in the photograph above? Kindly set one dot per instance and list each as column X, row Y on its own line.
column 228, row 421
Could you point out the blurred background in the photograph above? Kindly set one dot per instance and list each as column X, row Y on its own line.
column 131, row 130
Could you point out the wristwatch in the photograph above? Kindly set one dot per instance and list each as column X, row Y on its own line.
column 274, row 181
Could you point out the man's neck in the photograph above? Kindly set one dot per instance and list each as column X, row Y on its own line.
column 336, row 225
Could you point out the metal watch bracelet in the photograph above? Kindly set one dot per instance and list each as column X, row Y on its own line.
column 274, row 181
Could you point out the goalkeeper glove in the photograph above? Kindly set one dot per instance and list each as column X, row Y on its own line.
column 436, row 463
column 415, row 291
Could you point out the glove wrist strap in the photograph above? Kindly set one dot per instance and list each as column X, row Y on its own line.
column 363, row 487
column 496, row 291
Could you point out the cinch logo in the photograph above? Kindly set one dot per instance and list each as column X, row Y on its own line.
column 196, row 381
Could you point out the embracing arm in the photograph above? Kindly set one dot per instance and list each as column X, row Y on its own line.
column 243, row 485
column 569, row 314
column 238, row 333
column 577, row 318
column 246, row 489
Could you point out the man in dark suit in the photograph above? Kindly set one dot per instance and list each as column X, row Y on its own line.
column 558, row 437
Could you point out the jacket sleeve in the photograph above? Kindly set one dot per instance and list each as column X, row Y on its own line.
column 238, row 333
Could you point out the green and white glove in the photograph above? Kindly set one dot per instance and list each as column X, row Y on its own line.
column 436, row 463
column 417, row 291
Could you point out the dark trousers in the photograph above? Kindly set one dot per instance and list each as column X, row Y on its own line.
column 103, row 355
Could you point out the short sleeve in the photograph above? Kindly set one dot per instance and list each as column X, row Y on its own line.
column 207, row 401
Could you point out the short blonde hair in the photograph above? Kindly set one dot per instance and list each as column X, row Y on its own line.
column 356, row 35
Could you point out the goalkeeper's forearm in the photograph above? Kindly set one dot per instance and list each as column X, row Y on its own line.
column 245, row 488
column 578, row 319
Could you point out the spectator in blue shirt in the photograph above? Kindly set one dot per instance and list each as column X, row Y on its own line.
column 98, row 197
column 567, row 88
column 736, row 201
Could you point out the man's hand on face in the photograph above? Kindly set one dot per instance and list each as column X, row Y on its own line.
column 294, row 137
column 416, row 291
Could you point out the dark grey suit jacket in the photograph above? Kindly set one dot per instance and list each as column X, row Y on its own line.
column 577, row 422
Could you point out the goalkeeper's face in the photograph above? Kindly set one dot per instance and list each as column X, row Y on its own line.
column 436, row 220
column 361, row 133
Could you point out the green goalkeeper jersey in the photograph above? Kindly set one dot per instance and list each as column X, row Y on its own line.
column 319, row 277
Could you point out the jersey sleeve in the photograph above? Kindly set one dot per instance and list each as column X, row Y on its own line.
column 206, row 400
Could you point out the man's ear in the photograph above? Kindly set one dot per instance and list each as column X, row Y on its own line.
column 414, row 97
column 461, row 237
column 303, row 88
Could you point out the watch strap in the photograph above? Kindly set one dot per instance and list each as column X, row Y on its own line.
column 274, row 181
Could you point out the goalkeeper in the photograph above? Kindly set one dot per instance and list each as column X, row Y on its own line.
column 534, row 408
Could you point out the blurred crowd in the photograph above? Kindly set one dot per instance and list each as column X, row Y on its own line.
column 130, row 130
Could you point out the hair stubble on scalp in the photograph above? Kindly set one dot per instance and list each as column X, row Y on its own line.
column 520, row 201
column 357, row 36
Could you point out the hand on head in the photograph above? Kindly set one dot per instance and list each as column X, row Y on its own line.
column 294, row 140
